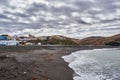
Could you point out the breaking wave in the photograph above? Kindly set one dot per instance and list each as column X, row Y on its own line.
column 97, row 64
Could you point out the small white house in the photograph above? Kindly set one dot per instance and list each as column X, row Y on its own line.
column 28, row 43
column 9, row 43
column 39, row 44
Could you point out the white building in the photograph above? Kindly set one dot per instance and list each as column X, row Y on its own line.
column 39, row 44
column 9, row 43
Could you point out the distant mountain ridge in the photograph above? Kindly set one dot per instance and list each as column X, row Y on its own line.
column 100, row 40
column 93, row 40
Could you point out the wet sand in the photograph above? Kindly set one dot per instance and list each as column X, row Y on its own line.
column 37, row 62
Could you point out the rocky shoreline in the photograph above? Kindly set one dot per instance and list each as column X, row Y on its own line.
column 37, row 62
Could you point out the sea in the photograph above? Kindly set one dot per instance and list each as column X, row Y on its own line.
column 96, row 64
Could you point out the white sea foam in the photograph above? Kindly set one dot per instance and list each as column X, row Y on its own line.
column 88, row 67
column 69, row 58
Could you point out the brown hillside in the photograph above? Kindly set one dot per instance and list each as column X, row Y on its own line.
column 99, row 40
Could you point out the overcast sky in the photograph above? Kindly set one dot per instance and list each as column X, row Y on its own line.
column 73, row 18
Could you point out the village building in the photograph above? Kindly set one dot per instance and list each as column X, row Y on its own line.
column 44, row 37
column 6, row 40
column 28, row 40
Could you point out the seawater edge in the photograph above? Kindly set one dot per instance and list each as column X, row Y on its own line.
column 74, row 57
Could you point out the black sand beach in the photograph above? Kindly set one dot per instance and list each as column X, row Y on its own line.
column 37, row 62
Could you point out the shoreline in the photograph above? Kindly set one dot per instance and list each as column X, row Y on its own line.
column 89, row 59
column 38, row 62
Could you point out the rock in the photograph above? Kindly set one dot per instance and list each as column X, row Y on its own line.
column 113, row 43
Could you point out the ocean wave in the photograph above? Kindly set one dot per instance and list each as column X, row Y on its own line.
column 87, row 67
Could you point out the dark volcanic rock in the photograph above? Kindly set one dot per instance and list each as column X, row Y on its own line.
column 113, row 43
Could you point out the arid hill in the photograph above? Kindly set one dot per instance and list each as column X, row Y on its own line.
column 94, row 40
column 100, row 40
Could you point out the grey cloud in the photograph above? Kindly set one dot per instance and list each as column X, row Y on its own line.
column 48, row 17
column 36, row 8
column 2, row 16
column 4, row 2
